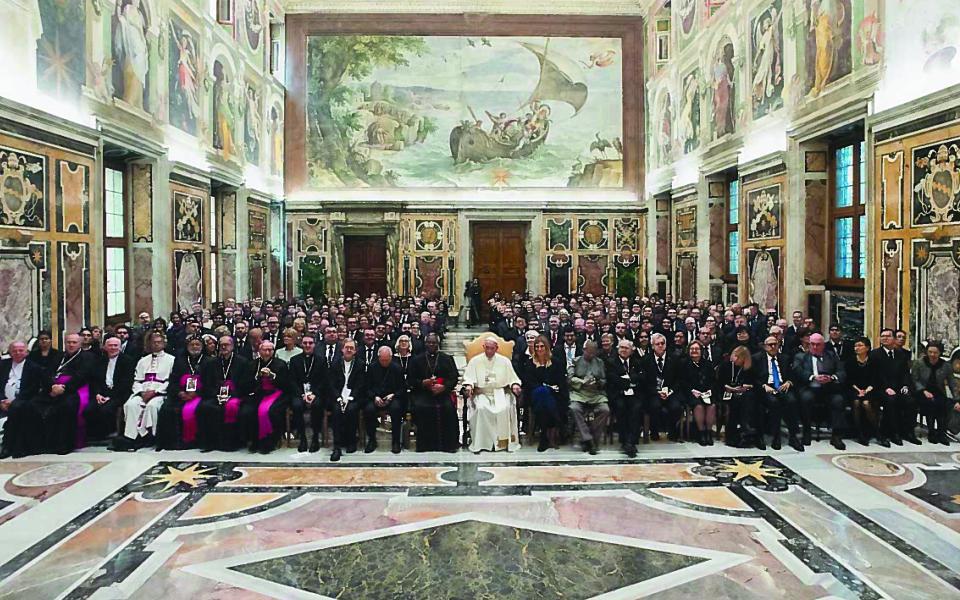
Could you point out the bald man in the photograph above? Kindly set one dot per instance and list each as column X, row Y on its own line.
column 19, row 382
column 64, row 394
column 385, row 392
column 263, row 416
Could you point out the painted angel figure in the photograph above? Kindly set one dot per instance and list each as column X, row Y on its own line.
column 766, row 66
column 187, row 73
column 131, row 50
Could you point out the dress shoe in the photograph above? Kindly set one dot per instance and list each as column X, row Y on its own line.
column 655, row 436
column 912, row 438
column 884, row 442
column 709, row 438
column 761, row 444
column 585, row 446
column 252, row 447
column 302, row 447
column 314, row 445
column 395, row 448
column 351, row 448
column 943, row 439
column 593, row 450
column 863, row 440
column 837, row 443
column 806, row 438
column 5, row 454
column 775, row 444
column 543, row 444
column 896, row 441
column 371, row 446
column 794, row 443
column 335, row 455
column 631, row 451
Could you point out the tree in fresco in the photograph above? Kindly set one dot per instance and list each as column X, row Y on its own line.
column 332, row 63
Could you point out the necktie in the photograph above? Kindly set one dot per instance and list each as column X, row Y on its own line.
column 626, row 366
column 660, row 363
column 890, row 353
column 775, row 374
column 329, row 355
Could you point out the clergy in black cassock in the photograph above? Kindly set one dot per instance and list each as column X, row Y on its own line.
column 263, row 415
column 177, row 422
column 226, row 384
column 385, row 392
column 433, row 377
column 310, row 376
column 345, row 383
column 64, row 393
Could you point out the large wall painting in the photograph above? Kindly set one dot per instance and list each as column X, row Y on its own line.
column 689, row 127
column 22, row 199
column 185, row 77
column 131, row 52
column 61, row 62
column 188, row 265
column 764, row 207
column 454, row 111
column 766, row 74
column 187, row 218
column 224, row 110
column 764, row 265
column 936, row 183
column 253, row 23
column 723, row 89
column 252, row 124
column 828, row 43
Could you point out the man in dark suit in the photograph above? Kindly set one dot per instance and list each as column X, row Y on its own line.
column 775, row 394
column 329, row 349
column 310, row 374
column 665, row 407
column 840, row 347
column 128, row 344
column 433, row 377
column 821, row 376
column 385, row 391
column 569, row 349
column 629, row 391
column 367, row 350
column 110, row 386
column 345, row 388
column 899, row 417
column 19, row 383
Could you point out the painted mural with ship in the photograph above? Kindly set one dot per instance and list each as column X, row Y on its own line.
column 453, row 111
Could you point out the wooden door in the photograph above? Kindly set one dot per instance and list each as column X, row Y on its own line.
column 499, row 258
column 365, row 264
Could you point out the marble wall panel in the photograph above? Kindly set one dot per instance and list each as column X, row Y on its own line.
column 228, row 221
column 73, row 285
column 686, row 227
column 310, row 235
column 257, row 230
column 815, row 232
column 142, row 280
column 559, row 267
column 891, row 281
column 188, row 278
column 663, row 244
column 429, row 276
column 19, row 301
column 937, row 301
column 228, row 274
column 593, row 273
column 686, row 276
column 718, row 241
column 73, row 197
column 558, row 234
column 891, row 190
column 141, row 192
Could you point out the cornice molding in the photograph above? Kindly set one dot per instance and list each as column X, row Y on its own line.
column 533, row 7
column 916, row 110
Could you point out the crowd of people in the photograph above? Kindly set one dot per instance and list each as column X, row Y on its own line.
column 228, row 378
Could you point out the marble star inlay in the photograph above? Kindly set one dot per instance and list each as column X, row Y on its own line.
column 469, row 556
column 756, row 470
column 191, row 476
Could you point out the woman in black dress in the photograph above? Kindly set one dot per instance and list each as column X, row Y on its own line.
column 735, row 382
column 698, row 380
column 43, row 352
column 862, row 383
column 546, row 392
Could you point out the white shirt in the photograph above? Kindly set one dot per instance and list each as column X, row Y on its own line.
column 111, row 367
column 347, row 369
column 13, row 381
column 770, row 371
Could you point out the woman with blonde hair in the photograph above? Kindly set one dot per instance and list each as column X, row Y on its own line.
column 545, row 389
column 291, row 339
column 736, row 379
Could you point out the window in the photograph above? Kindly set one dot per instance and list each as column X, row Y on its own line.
column 224, row 11
column 847, row 212
column 115, row 242
column 733, row 228
column 663, row 40
column 276, row 49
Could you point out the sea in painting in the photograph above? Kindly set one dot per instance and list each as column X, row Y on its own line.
column 454, row 111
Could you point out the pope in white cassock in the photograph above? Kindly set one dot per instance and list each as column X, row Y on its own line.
column 492, row 386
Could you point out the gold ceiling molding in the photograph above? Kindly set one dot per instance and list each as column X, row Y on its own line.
column 544, row 7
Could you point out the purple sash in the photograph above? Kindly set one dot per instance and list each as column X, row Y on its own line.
column 83, row 393
column 263, row 409
column 231, row 408
column 189, row 412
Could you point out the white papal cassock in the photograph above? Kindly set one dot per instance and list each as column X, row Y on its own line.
column 493, row 416
column 153, row 373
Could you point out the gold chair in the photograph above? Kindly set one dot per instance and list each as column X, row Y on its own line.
column 475, row 346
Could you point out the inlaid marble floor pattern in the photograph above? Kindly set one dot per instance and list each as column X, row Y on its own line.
column 677, row 522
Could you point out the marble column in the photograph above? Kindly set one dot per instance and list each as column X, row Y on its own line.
column 243, row 244
column 651, row 244
column 794, row 236
column 162, row 238
column 703, row 238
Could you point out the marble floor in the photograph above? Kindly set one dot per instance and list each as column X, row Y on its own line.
column 679, row 521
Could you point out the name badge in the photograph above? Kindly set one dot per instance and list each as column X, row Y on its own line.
column 224, row 391
column 306, row 388
column 191, row 384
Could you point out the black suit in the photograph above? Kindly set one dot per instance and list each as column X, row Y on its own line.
column 102, row 418
column 59, row 413
column 831, row 394
column 779, row 406
column 345, row 419
column 664, row 413
column 434, row 414
column 899, row 410
column 630, row 390
column 20, row 435
column 309, row 370
column 322, row 350
column 560, row 353
column 843, row 349
column 381, row 382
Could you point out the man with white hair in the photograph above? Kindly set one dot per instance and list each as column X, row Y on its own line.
column 489, row 381
column 385, row 391
column 150, row 380
column 19, row 382
column 821, row 376
column 262, row 417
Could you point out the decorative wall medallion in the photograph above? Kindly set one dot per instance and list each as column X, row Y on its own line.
column 627, row 231
column 593, row 234
column 22, row 201
column 763, row 212
column 429, row 236
column 187, row 218
column 936, row 184
column 558, row 234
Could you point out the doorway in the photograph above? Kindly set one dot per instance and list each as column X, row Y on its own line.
column 499, row 258
column 365, row 264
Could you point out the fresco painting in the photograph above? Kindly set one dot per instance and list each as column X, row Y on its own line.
column 689, row 127
column 252, row 124
column 723, row 89
column 131, row 52
column 61, row 64
column 766, row 76
column 185, row 77
column 453, row 111
column 828, row 43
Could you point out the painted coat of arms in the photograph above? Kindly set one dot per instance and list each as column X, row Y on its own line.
column 936, row 184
